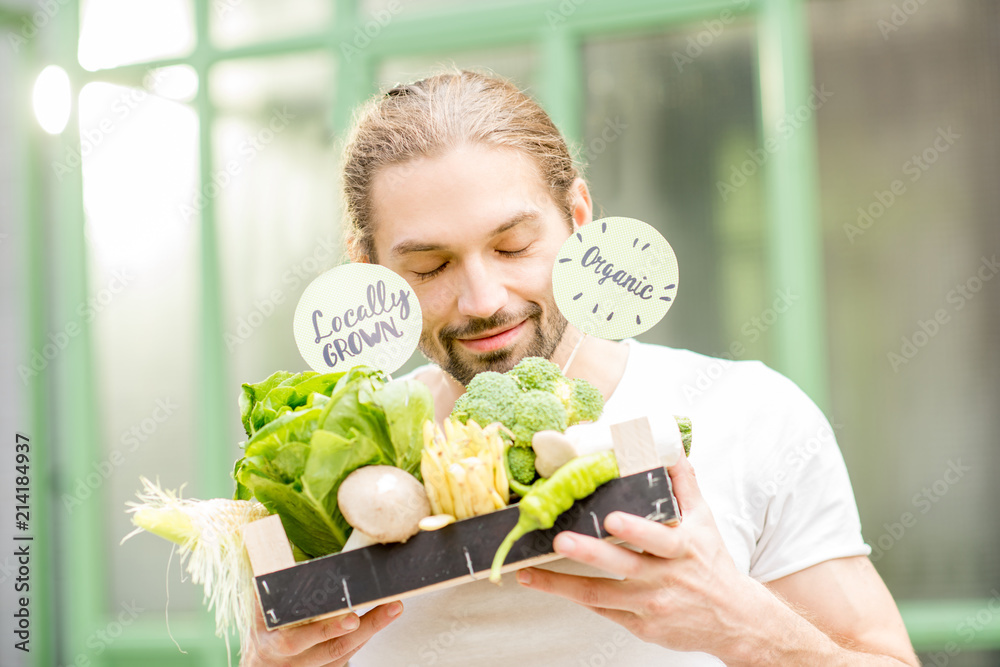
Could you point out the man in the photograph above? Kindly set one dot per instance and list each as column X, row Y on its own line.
column 462, row 185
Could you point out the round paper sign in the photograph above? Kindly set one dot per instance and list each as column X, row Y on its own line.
column 357, row 314
column 615, row 278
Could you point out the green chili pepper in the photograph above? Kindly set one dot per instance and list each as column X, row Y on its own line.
column 684, row 425
column 546, row 500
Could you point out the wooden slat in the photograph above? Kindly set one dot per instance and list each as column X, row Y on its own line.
column 634, row 447
column 267, row 545
column 456, row 554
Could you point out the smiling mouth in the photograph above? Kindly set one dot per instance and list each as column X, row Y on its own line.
column 492, row 342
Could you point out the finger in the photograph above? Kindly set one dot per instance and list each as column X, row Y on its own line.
column 625, row 619
column 685, row 485
column 338, row 650
column 293, row 641
column 598, row 553
column 346, row 660
column 587, row 591
column 652, row 537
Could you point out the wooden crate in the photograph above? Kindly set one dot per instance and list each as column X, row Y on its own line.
column 293, row 593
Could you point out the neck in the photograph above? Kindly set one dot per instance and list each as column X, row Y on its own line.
column 573, row 341
column 598, row 361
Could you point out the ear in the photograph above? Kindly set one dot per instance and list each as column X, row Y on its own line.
column 582, row 204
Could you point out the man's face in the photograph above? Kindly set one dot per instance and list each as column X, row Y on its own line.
column 475, row 232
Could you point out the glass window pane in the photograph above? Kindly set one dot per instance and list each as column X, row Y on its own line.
column 658, row 137
column 277, row 205
column 121, row 32
column 140, row 156
column 912, row 322
column 240, row 22
column 519, row 64
column 373, row 7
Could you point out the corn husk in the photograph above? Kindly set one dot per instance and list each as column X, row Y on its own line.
column 210, row 539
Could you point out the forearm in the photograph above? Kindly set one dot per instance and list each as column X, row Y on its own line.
column 774, row 634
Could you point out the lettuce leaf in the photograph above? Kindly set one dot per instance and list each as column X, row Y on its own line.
column 283, row 392
column 252, row 393
column 407, row 405
column 307, row 432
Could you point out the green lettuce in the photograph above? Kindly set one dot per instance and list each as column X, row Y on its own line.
column 307, row 432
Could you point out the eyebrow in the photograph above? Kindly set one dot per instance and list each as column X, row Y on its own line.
column 408, row 247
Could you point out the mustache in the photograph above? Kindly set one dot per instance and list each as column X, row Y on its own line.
column 476, row 326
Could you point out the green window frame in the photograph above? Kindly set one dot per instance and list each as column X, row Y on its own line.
column 794, row 257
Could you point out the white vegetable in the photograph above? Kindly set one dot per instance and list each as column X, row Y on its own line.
column 588, row 438
column 552, row 450
column 436, row 521
column 210, row 536
column 384, row 503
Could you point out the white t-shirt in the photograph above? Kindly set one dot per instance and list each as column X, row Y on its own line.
column 768, row 466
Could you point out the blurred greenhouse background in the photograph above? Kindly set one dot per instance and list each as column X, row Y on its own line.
column 827, row 172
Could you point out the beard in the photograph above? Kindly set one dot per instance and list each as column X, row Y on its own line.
column 462, row 365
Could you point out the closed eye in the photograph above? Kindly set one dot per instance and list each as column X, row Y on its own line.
column 514, row 253
column 427, row 275
column 430, row 274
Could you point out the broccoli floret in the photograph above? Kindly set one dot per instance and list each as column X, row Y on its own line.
column 489, row 398
column 521, row 464
column 585, row 403
column 538, row 373
column 533, row 396
column 536, row 411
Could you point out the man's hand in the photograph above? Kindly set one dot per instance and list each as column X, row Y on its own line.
column 685, row 593
column 328, row 643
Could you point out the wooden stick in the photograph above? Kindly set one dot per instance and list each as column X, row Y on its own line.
column 267, row 545
column 634, row 447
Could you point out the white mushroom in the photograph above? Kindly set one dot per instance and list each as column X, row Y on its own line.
column 383, row 504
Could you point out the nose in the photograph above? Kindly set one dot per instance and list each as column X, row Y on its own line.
column 482, row 291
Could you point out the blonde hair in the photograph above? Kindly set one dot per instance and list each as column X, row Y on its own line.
column 427, row 118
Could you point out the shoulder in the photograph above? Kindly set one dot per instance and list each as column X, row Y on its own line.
column 740, row 405
column 425, row 373
column 700, row 379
